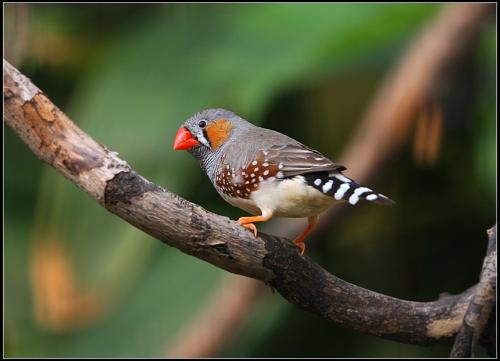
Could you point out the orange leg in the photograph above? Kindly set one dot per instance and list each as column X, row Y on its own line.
column 247, row 221
column 299, row 241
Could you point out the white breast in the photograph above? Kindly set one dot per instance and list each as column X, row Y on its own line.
column 284, row 198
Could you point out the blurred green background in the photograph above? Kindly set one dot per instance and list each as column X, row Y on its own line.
column 79, row 282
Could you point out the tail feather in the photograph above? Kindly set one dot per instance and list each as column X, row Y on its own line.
column 340, row 187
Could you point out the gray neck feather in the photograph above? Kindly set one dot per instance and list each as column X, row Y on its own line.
column 207, row 159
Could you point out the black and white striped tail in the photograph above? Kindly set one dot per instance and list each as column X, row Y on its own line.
column 340, row 187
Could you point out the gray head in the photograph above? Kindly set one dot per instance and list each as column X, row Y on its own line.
column 206, row 133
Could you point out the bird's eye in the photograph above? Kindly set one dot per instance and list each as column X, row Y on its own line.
column 202, row 124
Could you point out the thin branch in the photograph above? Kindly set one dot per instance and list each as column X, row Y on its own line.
column 481, row 305
column 56, row 140
column 387, row 123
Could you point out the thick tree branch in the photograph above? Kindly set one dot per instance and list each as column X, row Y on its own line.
column 55, row 139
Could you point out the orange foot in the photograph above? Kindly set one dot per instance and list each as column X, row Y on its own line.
column 247, row 222
column 299, row 241
column 250, row 226
column 301, row 246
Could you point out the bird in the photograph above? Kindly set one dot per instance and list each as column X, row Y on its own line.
column 267, row 173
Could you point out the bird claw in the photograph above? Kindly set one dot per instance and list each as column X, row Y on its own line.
column 301, row 246
column 250, row 226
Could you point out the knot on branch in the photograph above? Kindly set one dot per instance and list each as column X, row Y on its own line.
column 127, row 185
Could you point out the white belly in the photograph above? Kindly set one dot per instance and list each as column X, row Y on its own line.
column 287, row 198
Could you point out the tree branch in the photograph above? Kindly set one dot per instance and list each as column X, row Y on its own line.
column 419, row 77
column 56, row 140
column 481, row 305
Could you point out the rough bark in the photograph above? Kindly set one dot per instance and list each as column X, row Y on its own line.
column 480, row 307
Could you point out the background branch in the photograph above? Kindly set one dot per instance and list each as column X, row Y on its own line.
column 55, row 139
column 214, row 325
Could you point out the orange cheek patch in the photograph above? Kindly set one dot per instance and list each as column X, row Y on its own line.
column 218, row 132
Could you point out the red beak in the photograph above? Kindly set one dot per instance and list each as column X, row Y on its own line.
column 184, row 140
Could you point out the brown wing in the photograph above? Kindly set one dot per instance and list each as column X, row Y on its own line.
column 298, row 159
